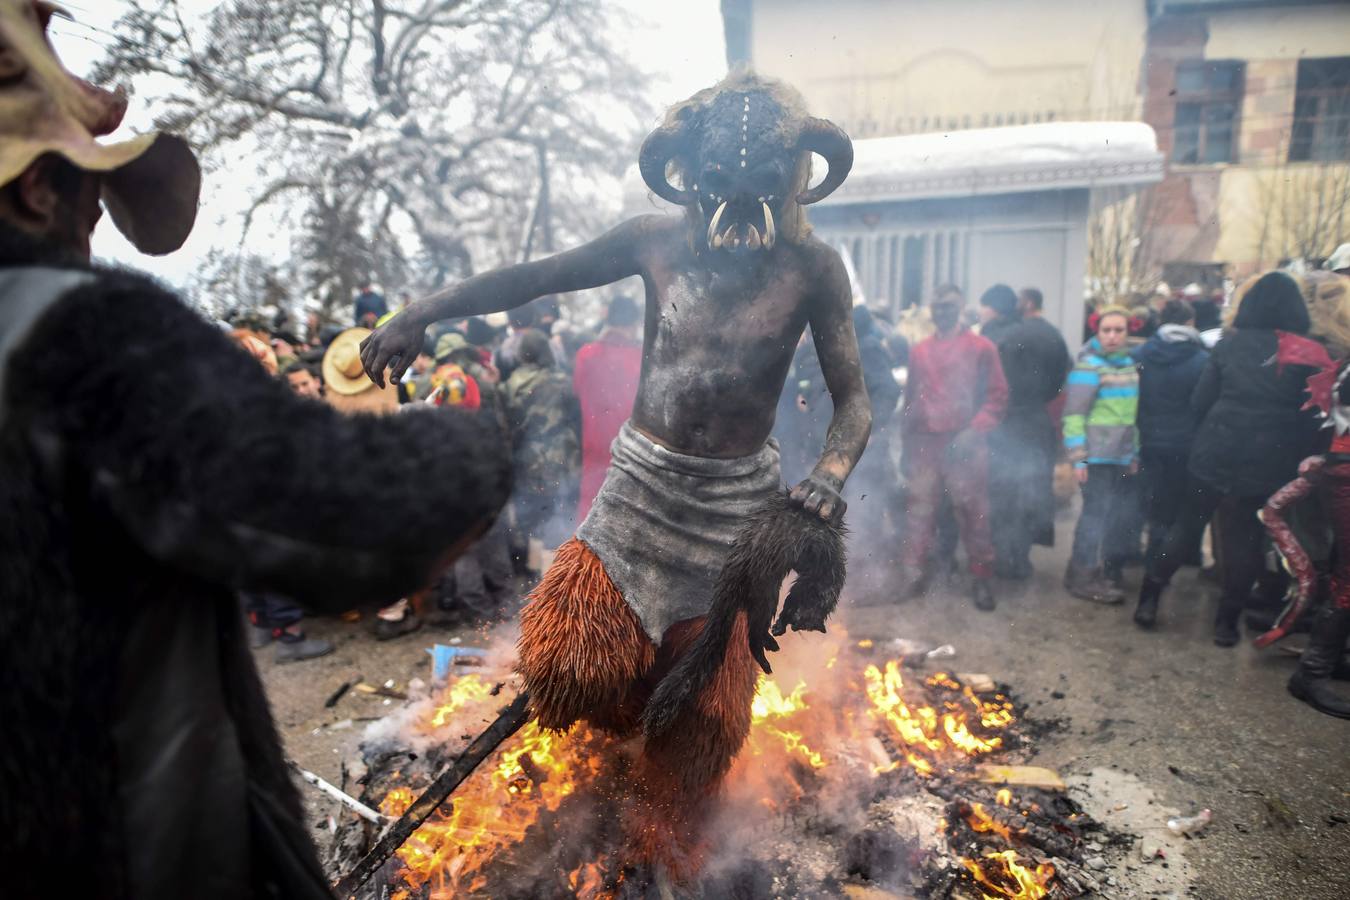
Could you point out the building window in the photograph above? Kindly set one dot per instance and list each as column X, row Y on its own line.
column 1321, row 111
column 1208, row 96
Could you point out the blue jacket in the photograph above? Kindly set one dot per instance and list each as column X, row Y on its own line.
column 1170, row 364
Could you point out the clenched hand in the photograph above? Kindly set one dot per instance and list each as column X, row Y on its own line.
column 819, row 494
column 394, row 345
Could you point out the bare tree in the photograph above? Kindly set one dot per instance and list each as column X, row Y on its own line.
column 413, row 139
column 1302, row 211
column 1121, row 257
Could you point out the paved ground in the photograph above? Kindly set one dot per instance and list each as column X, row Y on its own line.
column 1164, row 717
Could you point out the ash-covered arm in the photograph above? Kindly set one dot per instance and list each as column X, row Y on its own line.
column 214, row 468
column 837, row 348
column 608, row 258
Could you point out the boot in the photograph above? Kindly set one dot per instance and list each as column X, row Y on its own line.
column 1146, row 613
column 1227, row 625
column 1311, row 682
column 1087, row 584
column 982, row 596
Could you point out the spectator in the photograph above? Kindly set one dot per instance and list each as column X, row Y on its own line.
column 955, row 396
column 416, row 384
column 370, row 307
column 998, row 312
column 871, row 491
column 1103, row 445
column 456, row 381
column 545, row 423
column 1328, row 299
column 1253, row 433
column 1035, row 362
column 519, row 320
column 605, row 381
column 152, row 471
column 303, row 380
column 1170, row 364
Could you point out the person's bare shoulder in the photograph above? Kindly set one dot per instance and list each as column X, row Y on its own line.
column 823, row 265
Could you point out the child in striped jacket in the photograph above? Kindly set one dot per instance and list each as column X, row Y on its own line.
column 1103, row 445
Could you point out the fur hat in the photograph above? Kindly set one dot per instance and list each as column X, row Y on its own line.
column 151, row 183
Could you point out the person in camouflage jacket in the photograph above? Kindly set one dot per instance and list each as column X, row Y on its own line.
column 545, row 423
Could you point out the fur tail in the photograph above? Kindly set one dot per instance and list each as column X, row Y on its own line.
column 777, row 538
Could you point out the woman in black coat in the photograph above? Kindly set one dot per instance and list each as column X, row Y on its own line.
column 1253, row 433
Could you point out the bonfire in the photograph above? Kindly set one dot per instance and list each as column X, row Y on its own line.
column 859, row 774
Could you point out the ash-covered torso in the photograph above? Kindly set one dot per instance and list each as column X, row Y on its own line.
column 718, row 343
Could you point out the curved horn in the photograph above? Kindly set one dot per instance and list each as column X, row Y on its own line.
column 828, row 139
column 657, row 150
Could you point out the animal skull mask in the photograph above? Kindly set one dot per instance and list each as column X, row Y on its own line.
column 743, row 150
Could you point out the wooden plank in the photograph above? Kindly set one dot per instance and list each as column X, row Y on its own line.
column 977, row 682
column 1020, row 776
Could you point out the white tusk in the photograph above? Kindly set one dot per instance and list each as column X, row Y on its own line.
column 717, row 217
column 716, row 242
column 770, row 232
column 752, row 241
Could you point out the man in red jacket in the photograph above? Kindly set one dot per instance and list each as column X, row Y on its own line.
column 955, row 396
column 605, row 381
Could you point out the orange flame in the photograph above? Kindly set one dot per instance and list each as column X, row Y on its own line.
column 930, row 738
column 770, row 704
column 1008, row 879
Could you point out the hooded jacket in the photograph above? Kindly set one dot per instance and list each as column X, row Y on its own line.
column 1249, row 401
column 1101, row 409
column 1170, row 365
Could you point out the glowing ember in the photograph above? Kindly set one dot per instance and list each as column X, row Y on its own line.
column 1002, row 877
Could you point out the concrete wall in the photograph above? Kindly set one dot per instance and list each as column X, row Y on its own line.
column 880, row 67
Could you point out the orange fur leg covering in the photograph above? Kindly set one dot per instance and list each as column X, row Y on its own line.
column 679, row 773
column 582, row 650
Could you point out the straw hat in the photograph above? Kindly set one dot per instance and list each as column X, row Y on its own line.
column 151, row 183
column 346, row 384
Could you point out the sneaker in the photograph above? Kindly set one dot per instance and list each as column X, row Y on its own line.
column 386, row 630
column 302, row 649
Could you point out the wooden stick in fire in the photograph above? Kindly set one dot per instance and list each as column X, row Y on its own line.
column 506, row 724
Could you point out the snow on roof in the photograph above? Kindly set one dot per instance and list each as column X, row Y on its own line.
column 1017, row 158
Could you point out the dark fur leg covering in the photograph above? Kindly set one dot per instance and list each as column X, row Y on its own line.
column 777, row 538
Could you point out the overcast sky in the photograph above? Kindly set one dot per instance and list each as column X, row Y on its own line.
column 682, row 46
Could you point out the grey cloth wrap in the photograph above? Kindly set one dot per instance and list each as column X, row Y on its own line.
column 663, row 523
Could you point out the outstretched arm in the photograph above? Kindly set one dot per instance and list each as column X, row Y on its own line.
column 216, row 469
column 606, row 259
column 837, row 349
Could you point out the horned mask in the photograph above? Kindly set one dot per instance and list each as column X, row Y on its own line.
column 742, row 152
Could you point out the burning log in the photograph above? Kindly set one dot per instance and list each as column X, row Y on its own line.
column 507, row 724
column 1012, row 826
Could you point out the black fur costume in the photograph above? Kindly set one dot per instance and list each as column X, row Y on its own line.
column 151, row 468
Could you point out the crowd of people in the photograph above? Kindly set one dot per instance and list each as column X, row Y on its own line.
column 560, row 393
column 1178, row 414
